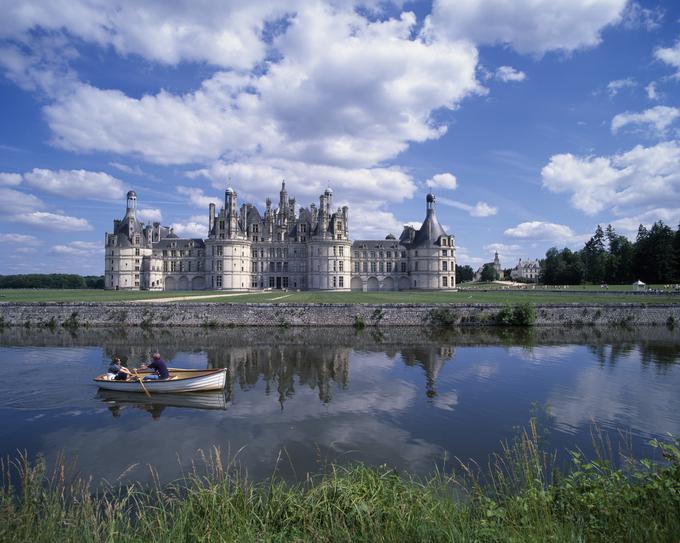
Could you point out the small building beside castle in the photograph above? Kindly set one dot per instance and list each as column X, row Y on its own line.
column 281, row 248
column 526, row 271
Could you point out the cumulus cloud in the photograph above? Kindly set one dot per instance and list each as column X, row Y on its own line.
column 198, row 198
column 508, row 73
column 220, row 33
column 652, row 92
column 529, row 26
column 79, row 248
column 480, row 209
column 635, row 16
column 443, row 181
column 190, row 229
column 541, row 231
column 53, row 221
column 629, row 225
column 627, row 181
column 14, row 201
column 10, row 179
column 150, row 215
column 658, row 118
column 670, row 55
column 614, row 87
column 19, row 238
column 256, row 178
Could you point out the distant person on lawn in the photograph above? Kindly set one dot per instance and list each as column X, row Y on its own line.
column 159, row 367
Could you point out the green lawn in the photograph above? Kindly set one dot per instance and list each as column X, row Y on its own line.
column 539, row 296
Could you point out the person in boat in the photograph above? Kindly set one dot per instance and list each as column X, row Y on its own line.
column 117, row 371
column 160, row 368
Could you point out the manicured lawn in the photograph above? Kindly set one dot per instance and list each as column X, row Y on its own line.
column 463, row 297
column 539, row 296
column 86, row 295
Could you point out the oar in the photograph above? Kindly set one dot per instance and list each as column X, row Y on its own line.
column 141, row 382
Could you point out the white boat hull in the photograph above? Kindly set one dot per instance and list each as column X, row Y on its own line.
column 215, row 380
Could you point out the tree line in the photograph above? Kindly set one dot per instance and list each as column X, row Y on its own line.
column 51, row 280
column 607, row 257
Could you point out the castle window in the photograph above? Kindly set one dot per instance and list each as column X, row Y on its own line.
column 219, row 250
column 389, row 254
column 444, row 252
column 341, row 281
column 403, row 254
column 218, row 281
column 271, row 282
column 381, row 267
column 403, row 267
column 218, row 266
column 389, row 267
column 173, row 253
column 285, row 282
column 356, row 267
column 341, row 265
column 372, row 254
column 380, row 254
column 137, row 252
column 365, row 266
column 342, row 251
column 335, row 265
column 356, row 254
column 334, row 281
column 444, row 266
column 335, row 251
column 444, row 282
column 373, row 267
column 365, row 254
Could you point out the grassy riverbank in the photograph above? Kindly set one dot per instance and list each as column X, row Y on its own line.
column 472, row 296
column 523, row 499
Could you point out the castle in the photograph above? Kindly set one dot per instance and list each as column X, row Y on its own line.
column 282, row 248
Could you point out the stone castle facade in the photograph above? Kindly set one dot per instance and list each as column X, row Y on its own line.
column 307, row 249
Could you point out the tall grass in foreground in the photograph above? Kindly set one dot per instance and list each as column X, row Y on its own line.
column 521, row 498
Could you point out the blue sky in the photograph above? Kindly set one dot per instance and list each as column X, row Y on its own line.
column 532, row 120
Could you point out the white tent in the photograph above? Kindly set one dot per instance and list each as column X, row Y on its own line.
column 639, row 285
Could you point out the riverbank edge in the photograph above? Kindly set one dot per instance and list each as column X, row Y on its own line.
column 75, row 314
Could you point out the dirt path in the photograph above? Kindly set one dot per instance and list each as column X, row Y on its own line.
column 184, row 298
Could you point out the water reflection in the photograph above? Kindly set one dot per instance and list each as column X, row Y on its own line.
column 407, row 397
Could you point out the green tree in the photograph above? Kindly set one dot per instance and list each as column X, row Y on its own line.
column 464, row 273
column 489, row 273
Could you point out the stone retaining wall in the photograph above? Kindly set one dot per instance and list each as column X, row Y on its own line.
column 71, row 315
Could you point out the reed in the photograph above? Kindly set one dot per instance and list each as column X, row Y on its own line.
column 519, row 496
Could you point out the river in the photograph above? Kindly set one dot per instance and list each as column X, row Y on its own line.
column 300, row 399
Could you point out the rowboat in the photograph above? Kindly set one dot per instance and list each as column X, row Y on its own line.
column 180, row 381
column 195, row 400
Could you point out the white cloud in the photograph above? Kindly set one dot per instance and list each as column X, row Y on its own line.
column 190, row 229
column 629, row 225
column 347, row 91
column 480, row 209
column 443, row 181
column 14, row 201
column 52, row 221
column 652, row 92
column 220, row 33
column 542, row 231
column 503, row 248
column 79, row 248
column 19, row 238
column 133, row 170
column 254, row 179
column 614, row 87
column 197, row 198
column 659, row 118
column 508, row 73
column 643, row 176
column 529, row 26
column 670, row 55
column 635, row 16
column 10, row 179
column 150, row 215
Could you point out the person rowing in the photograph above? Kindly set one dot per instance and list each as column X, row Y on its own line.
column 159, row 367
